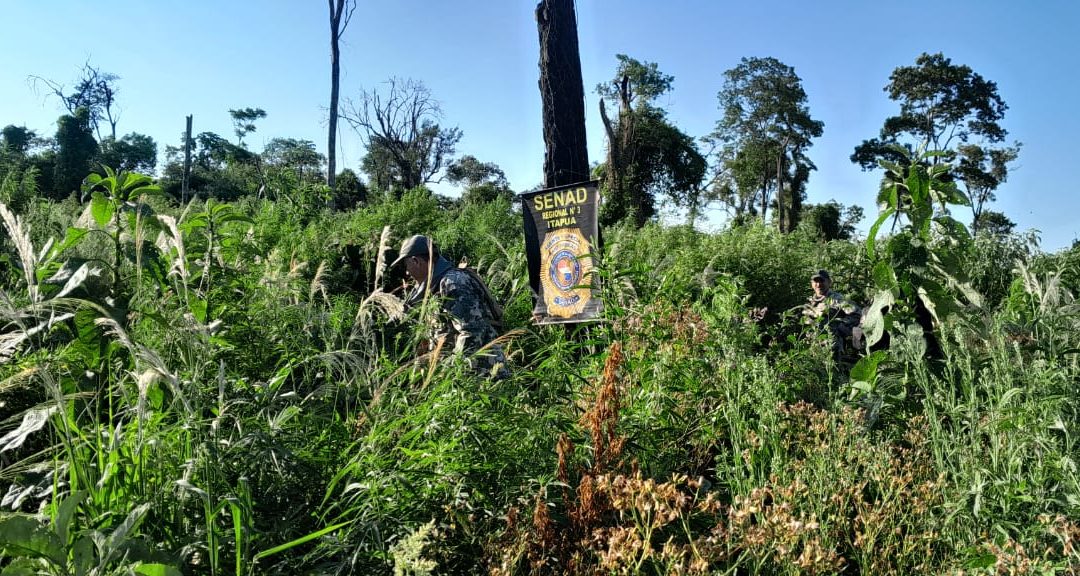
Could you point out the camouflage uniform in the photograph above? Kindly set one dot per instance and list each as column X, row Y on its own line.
column 469, row 318
column 841, row 315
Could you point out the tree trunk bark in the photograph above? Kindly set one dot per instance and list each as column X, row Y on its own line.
column 339, row 20
column 331, row 141
column 781, row 210
column 764, row 194
column 185, row 184
column 566, row 159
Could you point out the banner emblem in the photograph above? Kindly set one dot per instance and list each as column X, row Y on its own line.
column 565, row 257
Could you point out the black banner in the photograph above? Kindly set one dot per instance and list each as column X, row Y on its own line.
column 560, row 234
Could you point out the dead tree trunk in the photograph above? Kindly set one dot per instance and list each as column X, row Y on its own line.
column 566, row 159
column 185, row 184
column 340, row 13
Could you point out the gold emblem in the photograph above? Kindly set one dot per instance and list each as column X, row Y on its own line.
column 566, row 272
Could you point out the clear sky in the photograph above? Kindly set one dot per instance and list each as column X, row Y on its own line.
column 479, row 58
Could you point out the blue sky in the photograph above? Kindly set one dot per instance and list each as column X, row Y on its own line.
column 479, row 58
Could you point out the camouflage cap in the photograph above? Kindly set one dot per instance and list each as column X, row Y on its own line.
column 418, row 245
column 821, row 275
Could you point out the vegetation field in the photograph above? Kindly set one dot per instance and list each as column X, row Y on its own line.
column 213, row 371
column 212, row 388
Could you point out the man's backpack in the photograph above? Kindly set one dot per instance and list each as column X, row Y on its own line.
column 494, row 308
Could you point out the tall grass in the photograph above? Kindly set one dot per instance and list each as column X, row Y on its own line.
column 245, row 413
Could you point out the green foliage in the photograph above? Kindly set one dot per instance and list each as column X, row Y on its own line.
column 763, row 137
column 226, row 405
column 830, row 221
column 648, row 156
column 18, row 190
column 919, row 267
column 244, row 121
column 132, row 153
column 349, row 191
column 16, row 139
column 950, row 108
column 76, row 150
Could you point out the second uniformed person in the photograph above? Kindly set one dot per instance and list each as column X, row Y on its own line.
column 831, row 308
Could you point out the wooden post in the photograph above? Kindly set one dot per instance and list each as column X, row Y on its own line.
column 186, row 182
column 566, row 158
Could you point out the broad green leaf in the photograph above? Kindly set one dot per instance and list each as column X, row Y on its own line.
column 862, row 386
column 66, row 512
column 885, row 276
column 81, row 274
column 82, row 555
column 72, row 237
column 89, row 343
column 157, row 570
column 865, row 370
column 23, row 567
column 874, row 320
column 92, row 181
column 918, row 185
column 155, row 396
column 120, row 535
column 236, row 218
column 871, row 238
column 983, row 561
column 22, row 535
column 890, row 166
column 970, row 294
column 934, row 300
column 101, row 208
column 33, row 420
column 198, row 309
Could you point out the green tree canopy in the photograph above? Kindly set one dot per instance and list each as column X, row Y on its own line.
column 298, row 156
column 483, row 181
column 349, row 191
column 762, row 137
column 949, row 108
column 132, row 153
column 647, row 155
column 831, row 220
column 244, row 121
column 76, row 149
column 16, row 139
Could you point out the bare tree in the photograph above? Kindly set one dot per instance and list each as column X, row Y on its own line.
column 341, row 12
column 95, row 91
column 401, row 126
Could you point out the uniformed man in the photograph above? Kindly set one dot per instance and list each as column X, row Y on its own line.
column 471, row 314
column 831, row 308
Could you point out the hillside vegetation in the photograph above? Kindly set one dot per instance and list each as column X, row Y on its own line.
column 235, row 387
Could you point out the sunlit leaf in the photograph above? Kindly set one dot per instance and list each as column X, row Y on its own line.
column 873, row 321
column 33, row 420
column 101, row 208
column 157, row 570
column 871, row 237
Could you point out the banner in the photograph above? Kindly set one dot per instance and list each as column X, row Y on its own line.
column 560, row 231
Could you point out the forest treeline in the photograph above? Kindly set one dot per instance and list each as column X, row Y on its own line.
column 756, row 163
